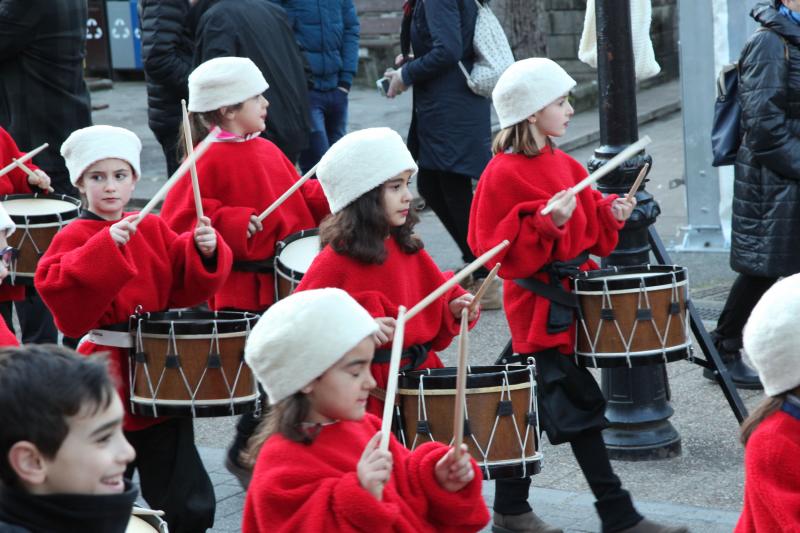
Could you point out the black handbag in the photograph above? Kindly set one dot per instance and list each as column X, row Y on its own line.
column 725, row 135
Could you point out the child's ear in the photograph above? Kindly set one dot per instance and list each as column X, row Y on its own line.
column 227, row 112
column 28, row 463
column 79, row 185
column 308, row 388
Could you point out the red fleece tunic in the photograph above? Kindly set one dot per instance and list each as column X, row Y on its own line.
column 299, row 487
column 7, row 337
column 402, row 279
column 15, row 182
column 772, row 477
column 89, row 282
column 511, row 193
column 237, row 180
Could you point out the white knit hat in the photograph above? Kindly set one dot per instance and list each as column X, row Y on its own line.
column 526, row 87
column 87, row 146
column 302, row 336
column 772, row 337
column 359, row 162
column 224, row 81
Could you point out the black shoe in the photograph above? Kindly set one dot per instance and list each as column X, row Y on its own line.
column 730, row 350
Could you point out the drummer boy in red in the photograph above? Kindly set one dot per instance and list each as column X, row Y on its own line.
column 370, row 251
column 320, row 467
column 526, row 173
column 102, row 268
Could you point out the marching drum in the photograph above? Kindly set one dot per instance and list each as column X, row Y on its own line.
column 501, row 426
column 293, row 256
column 38, row 219
column 146, row 521
column 632, row 316
column 191, row 363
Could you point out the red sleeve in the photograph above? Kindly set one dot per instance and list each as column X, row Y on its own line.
column 315, row 200
column 608, row 234
column 90, row 272
column 450, row 326
column 16, row 181
column 7, row 337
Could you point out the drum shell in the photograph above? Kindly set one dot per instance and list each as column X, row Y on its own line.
column 627, row 297
column 286, row 278
column 227, row 390
column 38, row 229
column 504, row 456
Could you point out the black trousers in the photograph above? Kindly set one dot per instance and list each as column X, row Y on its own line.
column 745, row 293
column 450, row 196
column 169, row 144
column 172, row 476
column 35, row 319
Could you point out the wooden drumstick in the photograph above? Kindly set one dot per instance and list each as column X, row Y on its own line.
column 462, row 274
column 29, row 172
column 391, row 384
column 199, row 150
column 461, row 383
column 483, row 287
column 30, row 155
column 638, row 182
column 610, row 165
column 187, row 138
column 282, row 198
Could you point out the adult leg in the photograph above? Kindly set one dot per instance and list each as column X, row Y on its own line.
column 318, row 138
column 512, row 512
column 336, row 115
column 35, row 321
column 172, row 476
column 450, row 196
column 169, row 144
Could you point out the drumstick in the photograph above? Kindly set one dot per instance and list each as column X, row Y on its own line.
column 461, row 383
column 483, row 287
column 201, row 148
column 463, row 273
column 638, row 182
column 29, row 172
column 26, row 157
column 391, row 385
column 288, row 193
column 610, row 165
column 187, row 137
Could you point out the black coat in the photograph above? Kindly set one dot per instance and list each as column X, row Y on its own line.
column 43, row 96
column 450, row 127
column 766, row 196
column 260, row 30
column 167, row 56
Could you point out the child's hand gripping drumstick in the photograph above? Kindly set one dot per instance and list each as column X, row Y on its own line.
column 187, row 139
column 482, row 289
column 638, row 182
column 30, row 155
column 36, row 178
column 282, row 198
column 610, row 165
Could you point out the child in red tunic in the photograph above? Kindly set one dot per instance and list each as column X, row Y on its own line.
column 7, row 256
column 99, row 270
column 320, row 467
column 240, row 176
column 370, row 251
column 771, row 434
column 525, row 174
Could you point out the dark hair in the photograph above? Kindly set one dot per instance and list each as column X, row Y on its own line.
column 285, row 417
column 201, row 124
column 770, row 405
column 40, row 387
column 359, row 229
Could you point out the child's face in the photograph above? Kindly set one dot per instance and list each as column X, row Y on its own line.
column 93, row 457
column 397, row 199
column 341, row 392
column 553, row 119
column 250, row 118
column 108, row 185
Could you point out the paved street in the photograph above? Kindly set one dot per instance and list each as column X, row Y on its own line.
column 702, row 487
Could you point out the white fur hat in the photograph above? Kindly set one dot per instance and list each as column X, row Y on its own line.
column 359, row 162
column 87, row 146
column 302, row 336
column 224, row 81
column 772, row 338
column 526, row 87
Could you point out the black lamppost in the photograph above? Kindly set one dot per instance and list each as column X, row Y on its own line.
column 638, row 398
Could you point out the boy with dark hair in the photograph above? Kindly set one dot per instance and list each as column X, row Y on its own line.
column 62, row 450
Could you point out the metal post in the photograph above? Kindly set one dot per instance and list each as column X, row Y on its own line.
column 638, row 398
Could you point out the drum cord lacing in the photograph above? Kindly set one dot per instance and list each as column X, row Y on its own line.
column 27, row 235
column 143, row 361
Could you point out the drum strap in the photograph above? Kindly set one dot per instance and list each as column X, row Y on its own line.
column 418, row 353
column 562, row 303
column 266, row 266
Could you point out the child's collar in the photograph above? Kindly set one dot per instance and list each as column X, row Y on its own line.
column 226, row 136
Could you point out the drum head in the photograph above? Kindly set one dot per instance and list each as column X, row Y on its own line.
column 629, row 278
column 38, row 209
column 193, row 322
column 297, row 252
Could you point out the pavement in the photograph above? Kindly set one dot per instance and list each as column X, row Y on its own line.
column 701, row 488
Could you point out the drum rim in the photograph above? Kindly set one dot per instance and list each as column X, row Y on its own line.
column 286, row 272
column 595, row 279
column 43, row 219
column 477, row 377
column 201, row 410
column 162, row 322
